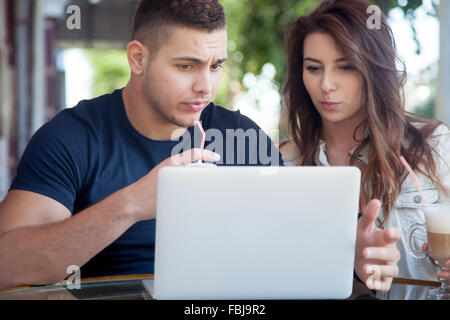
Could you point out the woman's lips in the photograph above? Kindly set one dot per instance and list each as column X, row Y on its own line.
column 327, row 105
column 195, row 106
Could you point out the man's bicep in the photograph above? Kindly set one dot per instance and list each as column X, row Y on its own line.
column 24, row 208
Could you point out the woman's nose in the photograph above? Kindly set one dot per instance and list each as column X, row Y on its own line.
column 328, row 82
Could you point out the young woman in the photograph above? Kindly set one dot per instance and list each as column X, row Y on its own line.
column 344, row 100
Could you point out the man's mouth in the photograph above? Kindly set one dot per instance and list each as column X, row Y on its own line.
column 195, row 106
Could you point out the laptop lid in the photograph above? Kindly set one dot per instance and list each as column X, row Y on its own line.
column 256, row 232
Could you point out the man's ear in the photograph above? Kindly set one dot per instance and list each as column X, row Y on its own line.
column 137, row 55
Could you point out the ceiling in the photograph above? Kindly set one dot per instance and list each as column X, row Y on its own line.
column 104, row 24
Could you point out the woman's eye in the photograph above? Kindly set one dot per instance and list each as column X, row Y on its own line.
column 347, row 68
column 312, row 68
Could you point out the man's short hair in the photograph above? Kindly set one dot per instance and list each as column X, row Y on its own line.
column 153, row 19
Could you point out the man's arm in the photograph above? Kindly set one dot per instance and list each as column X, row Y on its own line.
column 39, row 239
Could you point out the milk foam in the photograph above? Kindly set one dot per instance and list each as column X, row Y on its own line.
column 437, row 218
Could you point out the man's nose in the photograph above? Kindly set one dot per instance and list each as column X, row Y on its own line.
column 328, row 82
column 203, row 83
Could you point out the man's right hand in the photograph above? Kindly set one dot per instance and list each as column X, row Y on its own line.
column 141, row 195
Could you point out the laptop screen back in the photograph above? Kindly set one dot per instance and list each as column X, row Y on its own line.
column 256, row 233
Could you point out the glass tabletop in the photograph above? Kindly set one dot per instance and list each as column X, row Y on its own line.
column 131, row 288
column 114, row 288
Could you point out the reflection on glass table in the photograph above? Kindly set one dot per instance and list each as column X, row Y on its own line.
column 130, row 287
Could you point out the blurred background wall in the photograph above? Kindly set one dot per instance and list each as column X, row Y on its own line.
column 54, row 53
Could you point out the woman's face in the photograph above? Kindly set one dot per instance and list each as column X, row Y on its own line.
column 334, row 85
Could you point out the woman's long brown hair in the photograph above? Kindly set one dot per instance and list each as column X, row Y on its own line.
column 373, row 53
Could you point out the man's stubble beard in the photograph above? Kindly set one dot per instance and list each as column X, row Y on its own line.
column 161, row 109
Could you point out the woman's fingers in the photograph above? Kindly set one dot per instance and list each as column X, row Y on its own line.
column 444, row 274
column 389, row 254
column 380, row 276
column 379, row 285
column 381, row 271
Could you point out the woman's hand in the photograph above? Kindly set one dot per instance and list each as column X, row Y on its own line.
column 376, row 255
column 443, row 274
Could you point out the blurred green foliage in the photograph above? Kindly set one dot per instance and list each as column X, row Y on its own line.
column 256, row 32
column 110, row 68
column 429, row 77
column 255, row 37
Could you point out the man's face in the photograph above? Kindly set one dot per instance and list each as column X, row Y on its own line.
column 183, row 76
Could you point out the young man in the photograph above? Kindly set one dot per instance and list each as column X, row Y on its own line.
column 85, row 190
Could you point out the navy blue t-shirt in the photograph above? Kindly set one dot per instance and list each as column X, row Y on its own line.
column 86, row 153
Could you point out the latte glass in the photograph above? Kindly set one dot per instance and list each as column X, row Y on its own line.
column 437, row 227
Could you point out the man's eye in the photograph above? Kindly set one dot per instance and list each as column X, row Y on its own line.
column 216, row 67
column 184, row 66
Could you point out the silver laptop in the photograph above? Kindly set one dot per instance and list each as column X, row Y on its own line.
column 255, row 233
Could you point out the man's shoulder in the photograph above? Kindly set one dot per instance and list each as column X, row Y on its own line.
column 58, row 159
column 88, row 116
column 97, row 109
column 218, row 117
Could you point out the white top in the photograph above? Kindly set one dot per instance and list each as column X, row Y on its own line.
column 407, row 209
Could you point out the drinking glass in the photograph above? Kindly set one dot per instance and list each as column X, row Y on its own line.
column 437, row 226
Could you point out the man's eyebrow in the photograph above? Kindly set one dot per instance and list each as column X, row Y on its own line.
column 191, row 59
column 318, row 61
column 196, row 60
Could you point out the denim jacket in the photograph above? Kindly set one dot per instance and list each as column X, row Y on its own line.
column 407, row 209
